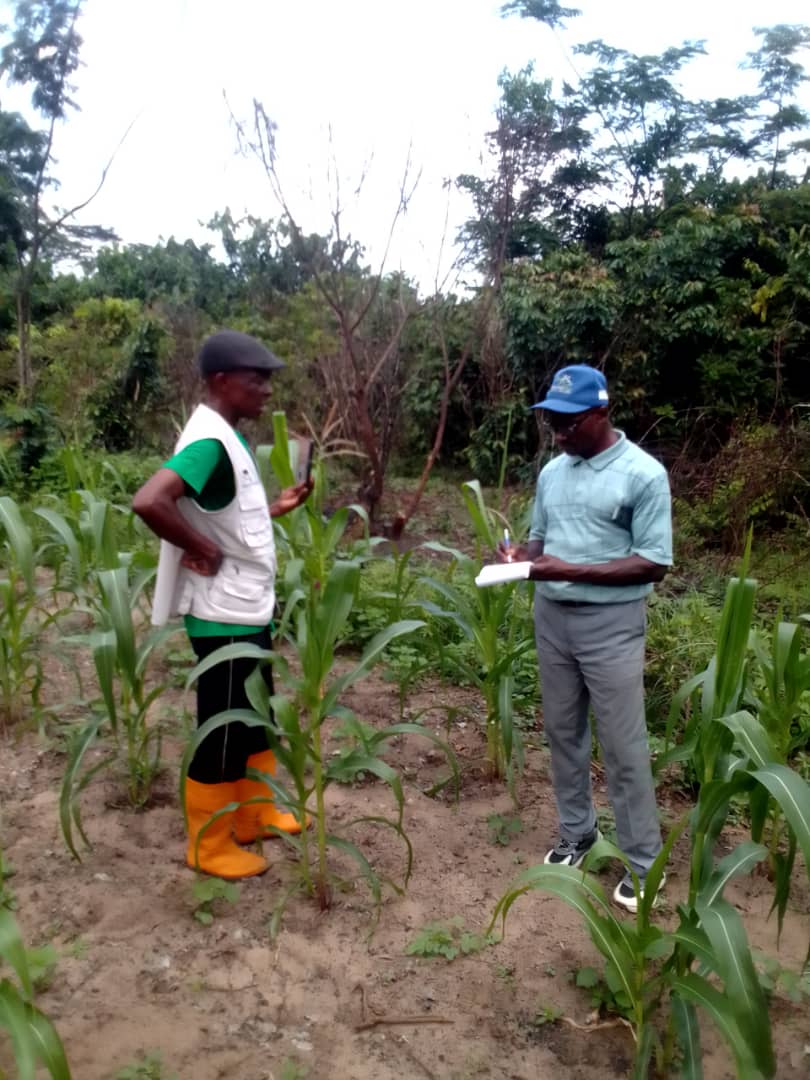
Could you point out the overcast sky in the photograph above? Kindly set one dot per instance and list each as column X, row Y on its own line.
column 384, row 75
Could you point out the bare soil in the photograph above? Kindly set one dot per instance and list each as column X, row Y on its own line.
column 335, row 993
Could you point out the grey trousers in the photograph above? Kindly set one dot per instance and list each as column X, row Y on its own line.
column 594, row 654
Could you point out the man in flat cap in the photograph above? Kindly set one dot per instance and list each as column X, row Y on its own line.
column 217, row 569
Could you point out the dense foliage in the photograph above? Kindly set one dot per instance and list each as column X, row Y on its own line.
column 618, row 221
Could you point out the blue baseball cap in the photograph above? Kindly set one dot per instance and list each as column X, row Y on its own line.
column 574, row 389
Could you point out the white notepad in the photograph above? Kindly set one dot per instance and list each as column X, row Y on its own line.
column 498, row 573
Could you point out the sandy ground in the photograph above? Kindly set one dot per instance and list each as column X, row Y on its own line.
column 334, row 995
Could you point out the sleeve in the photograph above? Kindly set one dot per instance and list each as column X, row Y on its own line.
column 537, row 530
column 196, row 463
column 651, row 527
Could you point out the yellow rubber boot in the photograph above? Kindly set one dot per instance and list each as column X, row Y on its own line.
column 217, row 853
column 259, row 819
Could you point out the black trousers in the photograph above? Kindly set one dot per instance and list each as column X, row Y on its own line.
column 222, row 757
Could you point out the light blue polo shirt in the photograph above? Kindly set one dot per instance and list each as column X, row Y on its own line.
column 593, row 510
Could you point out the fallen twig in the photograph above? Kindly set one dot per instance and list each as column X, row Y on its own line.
column 378, row 1021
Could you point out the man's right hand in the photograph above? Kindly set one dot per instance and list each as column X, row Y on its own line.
column 156, row 504
column 506, row 553
column 205, row 565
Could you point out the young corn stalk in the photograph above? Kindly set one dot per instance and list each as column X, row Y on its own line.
column 34, row 1040
column 737, row 754
column 496, row 622
column 122, row 716
column 779, row 700
column 22, row 619
column 648, row 968
column 320, row 588
column 706, row 961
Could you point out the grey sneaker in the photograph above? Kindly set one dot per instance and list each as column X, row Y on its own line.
column 570, row 852
column 625, row 894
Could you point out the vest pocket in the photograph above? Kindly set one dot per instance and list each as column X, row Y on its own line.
column 234, row 591
column 255, row 524
column 256, row 528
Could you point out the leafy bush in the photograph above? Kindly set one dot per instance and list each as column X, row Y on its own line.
column 114, row 477
column 756, row 478
column 680, row 640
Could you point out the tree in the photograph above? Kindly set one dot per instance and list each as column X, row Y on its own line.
column 528, row 204
column 648, row 126
column 264, row 259
column 43, row 52
column 183, row 273
column 369, row 310
column 780, row 77
column 549, row 12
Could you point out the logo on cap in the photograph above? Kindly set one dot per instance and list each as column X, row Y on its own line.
column 563, row 384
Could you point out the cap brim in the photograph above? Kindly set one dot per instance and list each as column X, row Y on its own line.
column 272, row 365
column 553, row 405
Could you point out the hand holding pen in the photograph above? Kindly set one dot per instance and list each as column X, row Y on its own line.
column 507, row 552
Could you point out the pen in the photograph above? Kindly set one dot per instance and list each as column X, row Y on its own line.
column 506, row 544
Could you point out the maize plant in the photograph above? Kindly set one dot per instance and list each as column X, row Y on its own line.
column 22, row 619
column 88, row 534
column 34, row 1039
column 320, row 588
column 121, row 719
column 705, row 963
column 778, row 701
column 737, row 752
column 496, row 622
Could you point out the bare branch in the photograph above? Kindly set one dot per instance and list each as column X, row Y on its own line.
column 102, row 180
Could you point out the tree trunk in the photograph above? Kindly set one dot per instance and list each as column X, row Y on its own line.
column 24, row 372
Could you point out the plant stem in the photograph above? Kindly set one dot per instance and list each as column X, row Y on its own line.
column 322, row 886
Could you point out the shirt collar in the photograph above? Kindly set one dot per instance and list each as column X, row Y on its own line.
column 607, row 457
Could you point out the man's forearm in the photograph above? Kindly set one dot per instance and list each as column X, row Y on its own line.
column 631, row 570
column 166, row 521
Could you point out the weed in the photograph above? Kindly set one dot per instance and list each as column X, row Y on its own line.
column 603, row 996
column 546, row 1014
column 773, row 978
column 7, row 898
column 502, row 830
column 291, row 1070
column 42, row 960
column 148, row 1067
column 77, row 949
column 207, row 891
column 448, row 939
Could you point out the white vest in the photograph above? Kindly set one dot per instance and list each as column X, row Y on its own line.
column 242, row 591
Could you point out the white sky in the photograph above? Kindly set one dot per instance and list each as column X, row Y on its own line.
column 383, row 74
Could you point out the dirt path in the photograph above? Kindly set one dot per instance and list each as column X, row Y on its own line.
column 137, row 973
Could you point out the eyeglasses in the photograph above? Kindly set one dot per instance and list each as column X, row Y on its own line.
column 553, row 421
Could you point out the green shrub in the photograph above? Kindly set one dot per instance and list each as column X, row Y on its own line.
column 681, row 633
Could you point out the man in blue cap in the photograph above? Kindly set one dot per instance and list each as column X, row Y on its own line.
column 601, row 536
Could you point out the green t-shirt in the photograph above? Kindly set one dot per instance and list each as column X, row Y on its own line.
column 205, row 468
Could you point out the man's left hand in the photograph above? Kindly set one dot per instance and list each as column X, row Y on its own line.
column 291, row 497
column 550, row 568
